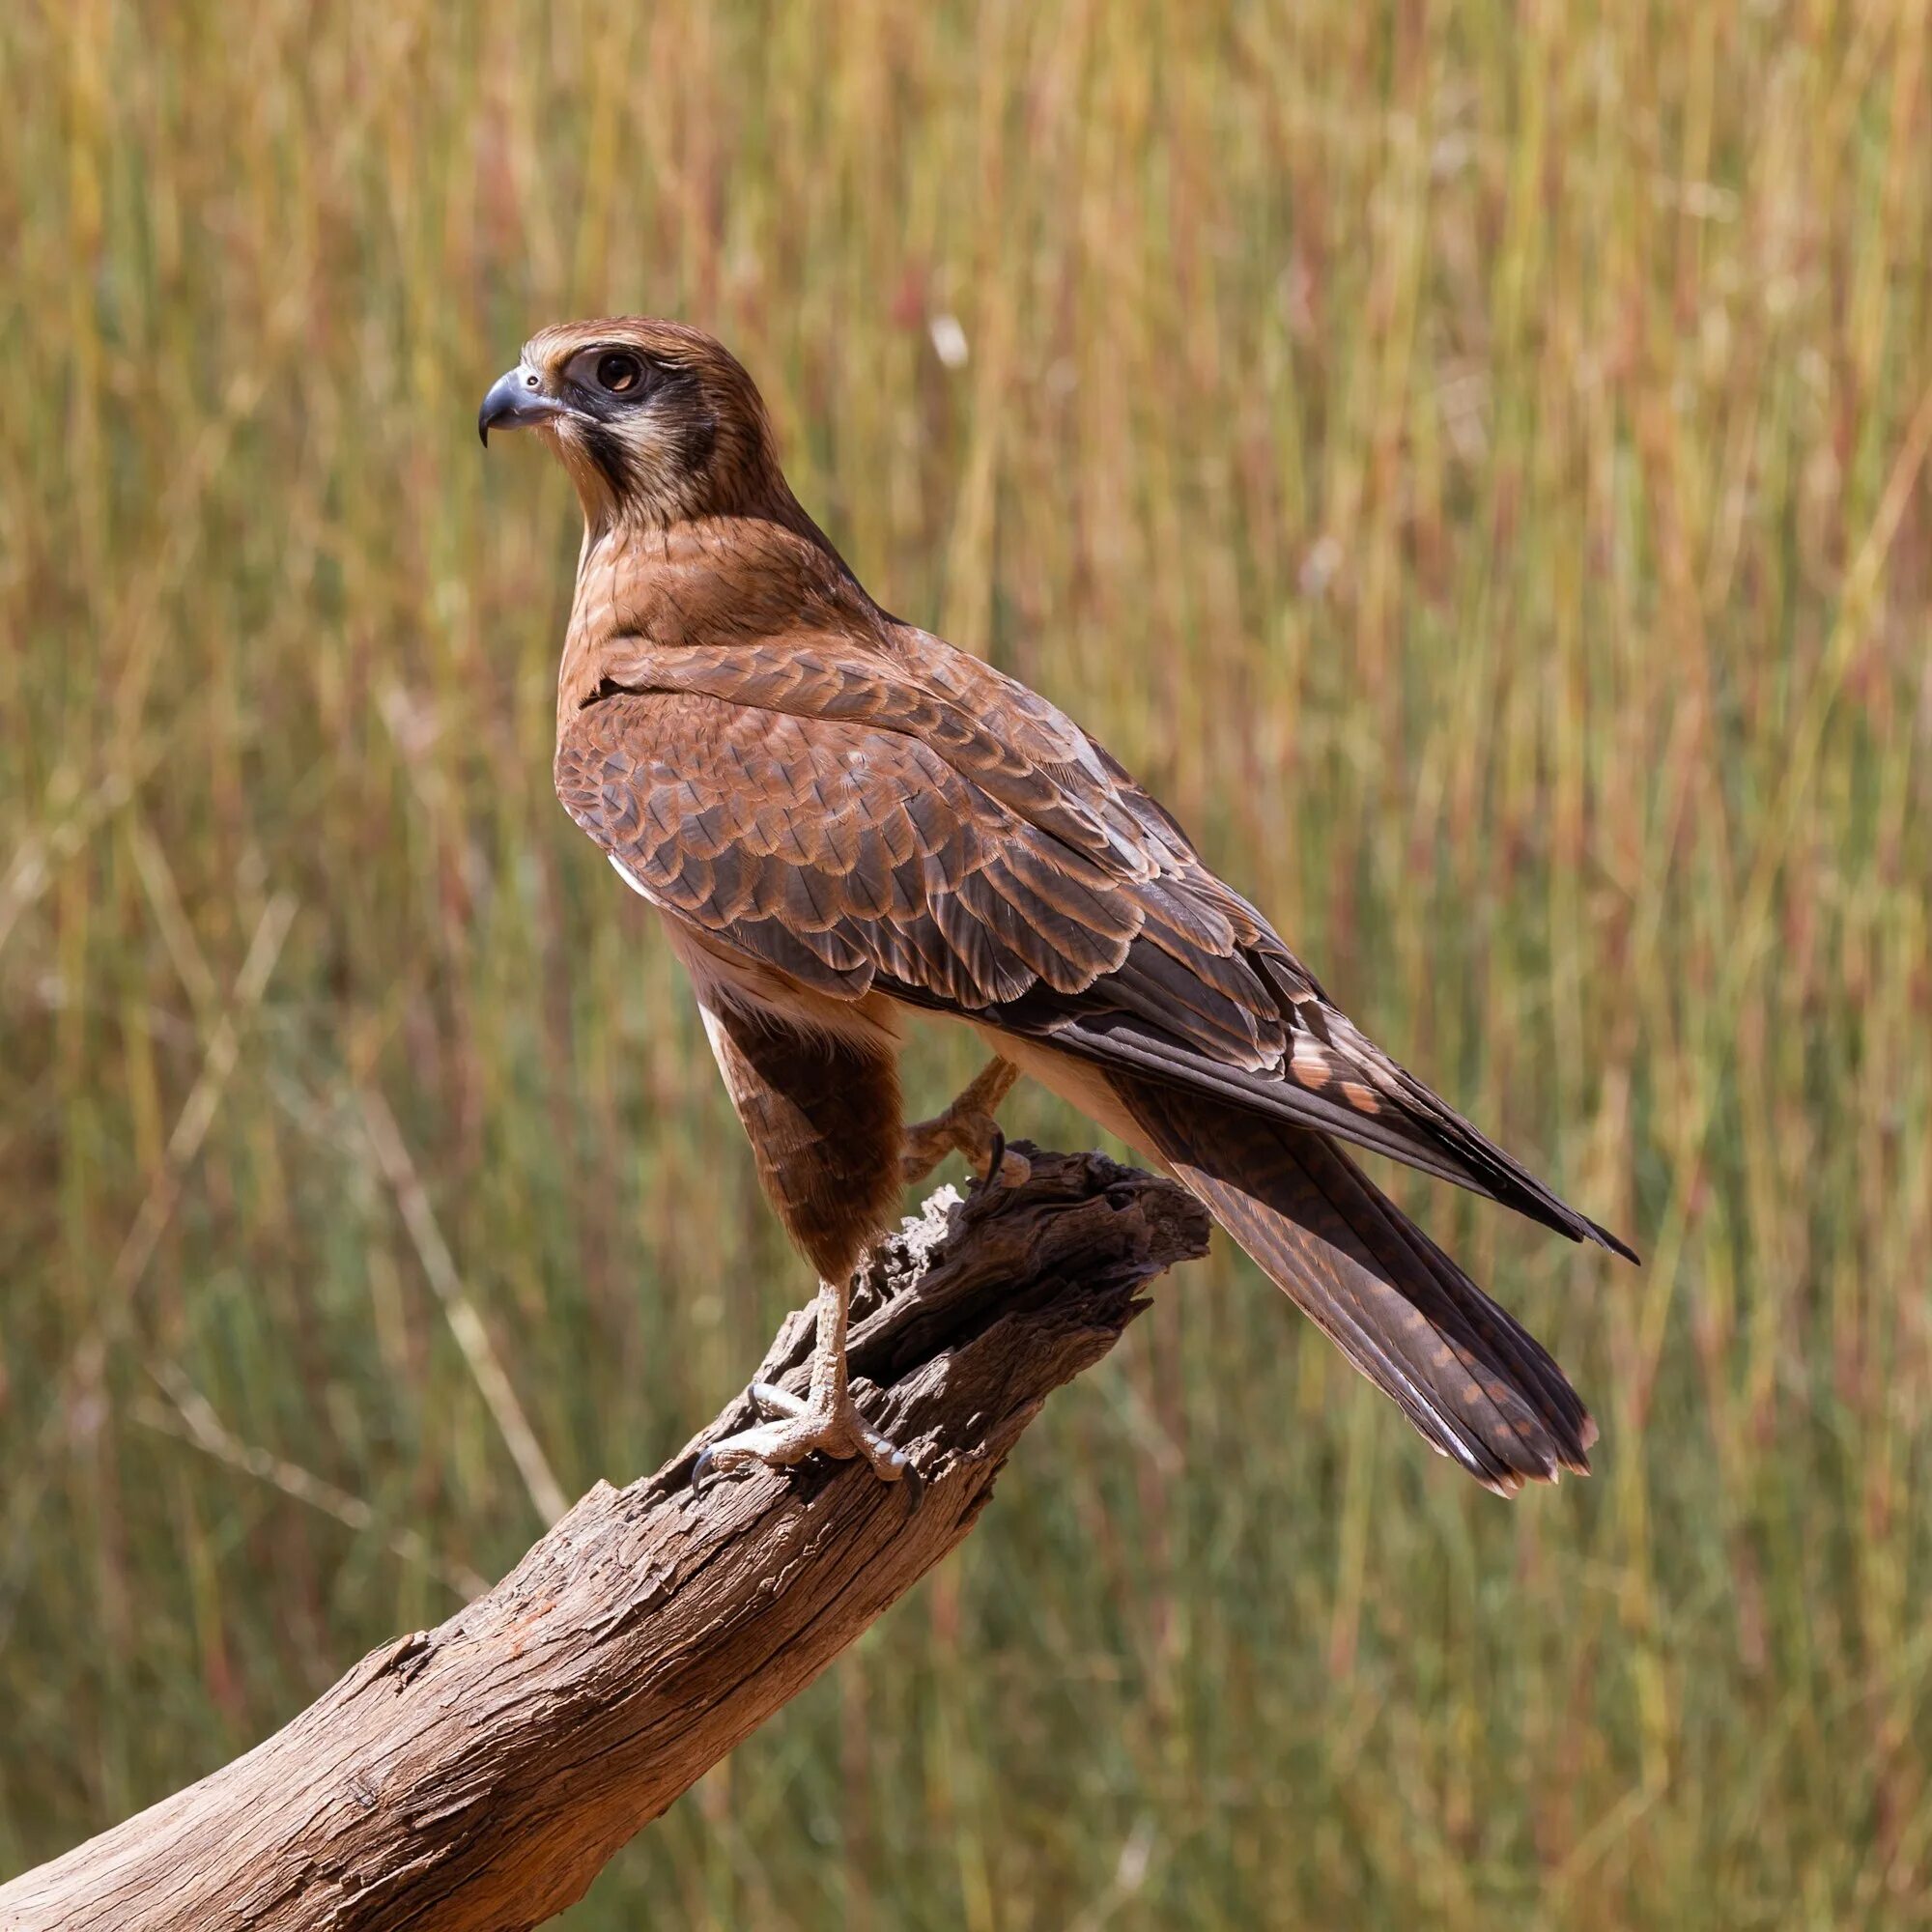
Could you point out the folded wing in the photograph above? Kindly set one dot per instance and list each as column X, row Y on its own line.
column 927, row 827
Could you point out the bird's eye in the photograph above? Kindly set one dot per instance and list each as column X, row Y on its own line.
column 619, row 373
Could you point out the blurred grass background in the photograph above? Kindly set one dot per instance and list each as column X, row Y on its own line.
column 1470, row 460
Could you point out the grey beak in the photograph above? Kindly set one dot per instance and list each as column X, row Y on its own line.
column 514, row 401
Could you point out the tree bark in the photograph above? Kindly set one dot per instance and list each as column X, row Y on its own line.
column 479, row 1775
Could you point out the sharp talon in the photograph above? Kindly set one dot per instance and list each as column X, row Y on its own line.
column 800, row 1430
column 772, row 1401
column 969, row 1127
column 1004, row 1167
column 914, row 1483
column 827, row 1422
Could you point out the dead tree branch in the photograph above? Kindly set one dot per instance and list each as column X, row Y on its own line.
column 478, row 1775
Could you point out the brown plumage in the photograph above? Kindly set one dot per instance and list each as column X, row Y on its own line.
column 843, row 820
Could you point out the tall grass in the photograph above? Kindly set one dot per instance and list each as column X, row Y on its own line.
column 1472, row 461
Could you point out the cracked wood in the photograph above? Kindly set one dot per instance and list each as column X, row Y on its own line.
column 478, row 1775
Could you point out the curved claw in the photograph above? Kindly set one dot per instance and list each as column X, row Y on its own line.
column 1004, row 1168
column 702, row 1474
column 771, row 1400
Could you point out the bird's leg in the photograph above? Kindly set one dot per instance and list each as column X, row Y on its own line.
column 969, row 1125
column 826, row 1420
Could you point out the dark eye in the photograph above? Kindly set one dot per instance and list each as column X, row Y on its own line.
column 619, row 373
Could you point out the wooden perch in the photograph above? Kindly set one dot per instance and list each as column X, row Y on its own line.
column 479, row 1775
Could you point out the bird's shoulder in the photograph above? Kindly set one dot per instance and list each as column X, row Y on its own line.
column 823, row 682
column 769, row 619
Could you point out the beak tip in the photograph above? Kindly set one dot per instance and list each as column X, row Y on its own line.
column 515, row 402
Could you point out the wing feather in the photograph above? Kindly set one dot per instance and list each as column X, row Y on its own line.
column 919, row 824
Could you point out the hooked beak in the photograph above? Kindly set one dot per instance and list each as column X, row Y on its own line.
column 516, row 401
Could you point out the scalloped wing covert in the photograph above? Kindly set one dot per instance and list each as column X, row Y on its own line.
column 913, row 821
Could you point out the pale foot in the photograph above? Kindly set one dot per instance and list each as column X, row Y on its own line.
column 826, row 1422
column 969, row 1125
column 799, row 1427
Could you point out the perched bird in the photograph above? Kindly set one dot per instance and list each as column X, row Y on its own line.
column 847, row 824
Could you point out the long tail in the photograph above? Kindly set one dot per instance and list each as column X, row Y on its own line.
column 1474, row 1382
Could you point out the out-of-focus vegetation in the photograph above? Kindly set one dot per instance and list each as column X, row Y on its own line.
column 1472, row 461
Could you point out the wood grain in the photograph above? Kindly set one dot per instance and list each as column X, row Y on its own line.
column 479, row 1775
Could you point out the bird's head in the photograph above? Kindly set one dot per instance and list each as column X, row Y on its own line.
column 655, row 421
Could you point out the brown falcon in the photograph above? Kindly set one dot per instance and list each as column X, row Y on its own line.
column 848, row 823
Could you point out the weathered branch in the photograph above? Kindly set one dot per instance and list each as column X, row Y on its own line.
column 479, row 1775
